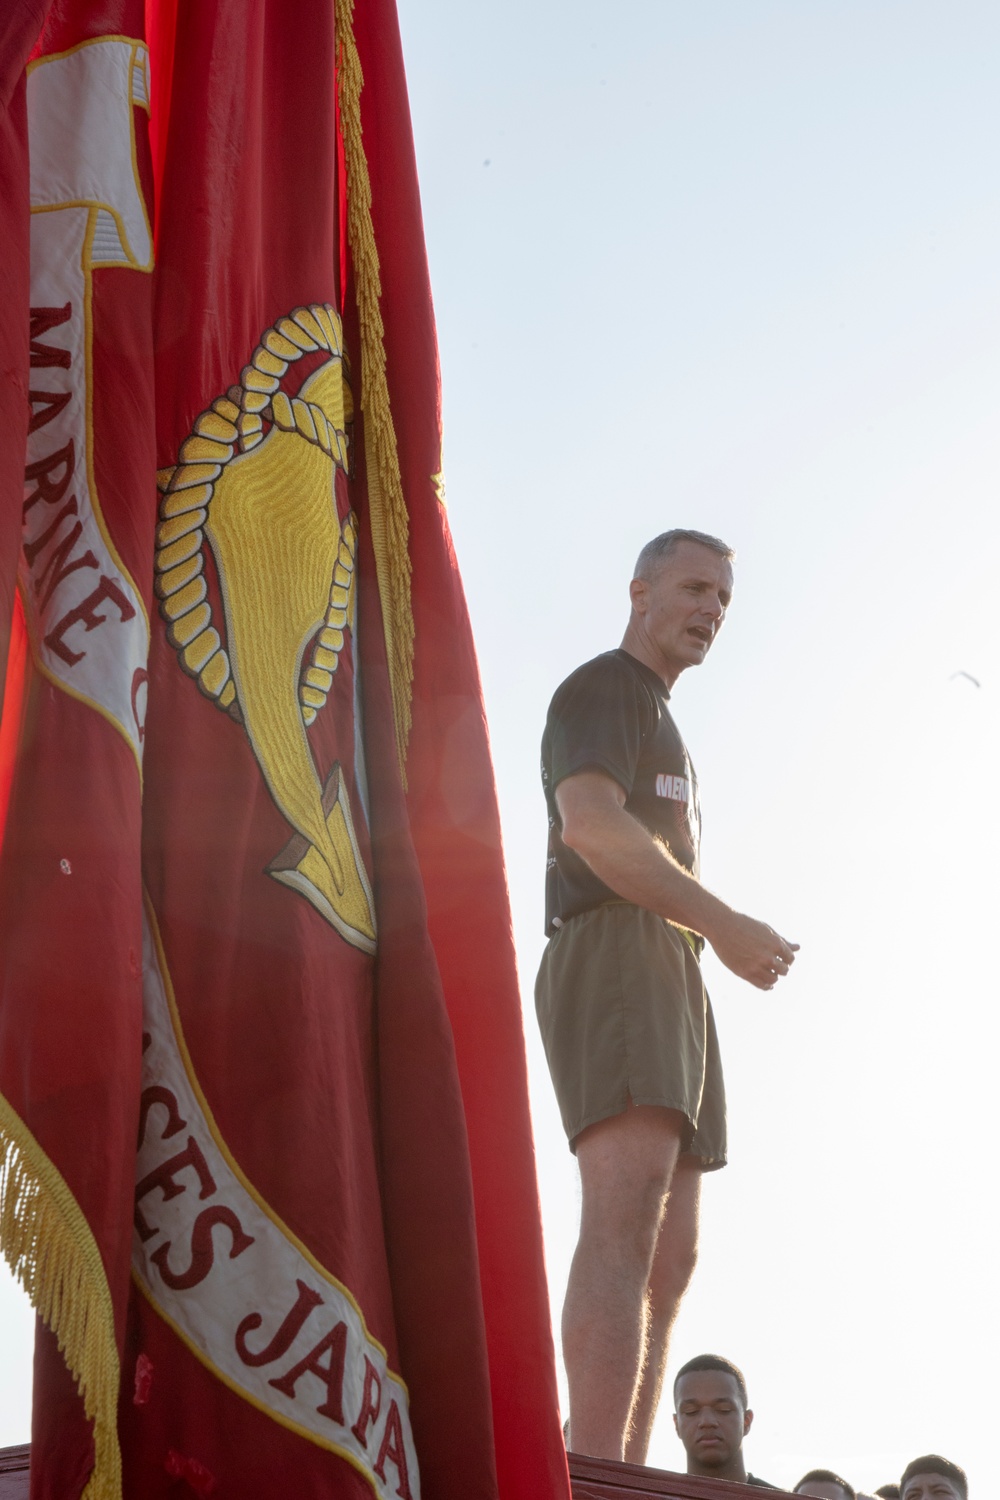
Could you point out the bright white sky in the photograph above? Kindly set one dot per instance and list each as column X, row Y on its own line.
column 736, row 265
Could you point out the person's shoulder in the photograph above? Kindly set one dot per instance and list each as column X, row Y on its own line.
column 609, row 672
column 608, row 665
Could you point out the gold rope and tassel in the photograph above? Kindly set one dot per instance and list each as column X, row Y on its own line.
column 389, row 520
column 49, row 1247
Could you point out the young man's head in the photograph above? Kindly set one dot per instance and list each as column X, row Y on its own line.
column 680, row 593
column 933, row 1478
column 888, row 1492
column 824, row 1484
column 712, row 1415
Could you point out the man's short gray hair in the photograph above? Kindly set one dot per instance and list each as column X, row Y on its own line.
column 656, row 552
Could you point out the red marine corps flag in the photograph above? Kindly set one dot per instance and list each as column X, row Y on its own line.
column 253, row 907
column 70, row 892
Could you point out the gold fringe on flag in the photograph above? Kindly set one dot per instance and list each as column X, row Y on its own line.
column 49, row 1247
column 389, row 520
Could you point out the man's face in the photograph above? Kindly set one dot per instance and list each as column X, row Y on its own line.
column 931, row 1487
column 822, row 1489
column 680, row 610
column 710, row 1419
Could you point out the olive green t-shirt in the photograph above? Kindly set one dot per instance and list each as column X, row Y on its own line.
column 612, row 715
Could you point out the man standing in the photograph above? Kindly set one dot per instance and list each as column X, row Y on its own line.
column 933, row 1478
column 625, row 1019
column 824, row 1484
column 712, row 1416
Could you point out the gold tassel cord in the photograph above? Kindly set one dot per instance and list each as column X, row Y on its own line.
column 389, row 520
column 49, row 1247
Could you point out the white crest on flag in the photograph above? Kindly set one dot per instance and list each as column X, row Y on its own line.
column 236, row 1285
column 86, row 617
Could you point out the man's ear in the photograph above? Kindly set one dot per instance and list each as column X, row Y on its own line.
column 637, row 593
column 676, row 1428
column 747, row 1421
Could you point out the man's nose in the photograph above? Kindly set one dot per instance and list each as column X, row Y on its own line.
column 715, row 608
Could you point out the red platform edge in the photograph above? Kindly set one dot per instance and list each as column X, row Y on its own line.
column 604, row 1479
column 14, row 1472
column 593, row 1479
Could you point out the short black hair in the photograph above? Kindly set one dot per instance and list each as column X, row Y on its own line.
column 933, row 1463
column 888, row 1491
column 714, row 1362
column 827, row 1476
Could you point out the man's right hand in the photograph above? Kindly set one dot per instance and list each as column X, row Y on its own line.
column 751, row 949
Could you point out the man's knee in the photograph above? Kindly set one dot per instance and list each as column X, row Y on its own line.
column 673, row 1269
column 626, row 1167
column 677, row 1247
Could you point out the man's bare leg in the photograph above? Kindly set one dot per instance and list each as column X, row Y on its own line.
column 626, row 1164
column 673, row 1267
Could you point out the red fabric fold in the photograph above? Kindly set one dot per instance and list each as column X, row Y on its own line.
column 337, row 1280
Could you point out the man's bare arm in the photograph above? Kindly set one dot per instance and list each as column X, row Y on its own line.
column 641, row 869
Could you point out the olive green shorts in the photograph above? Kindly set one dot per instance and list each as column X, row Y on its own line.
column 624, row 1015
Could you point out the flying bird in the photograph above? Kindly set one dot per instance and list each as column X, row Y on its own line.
column 974, row 680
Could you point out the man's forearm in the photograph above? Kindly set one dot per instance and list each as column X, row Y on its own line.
column 640, row 869
column 627, row 857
